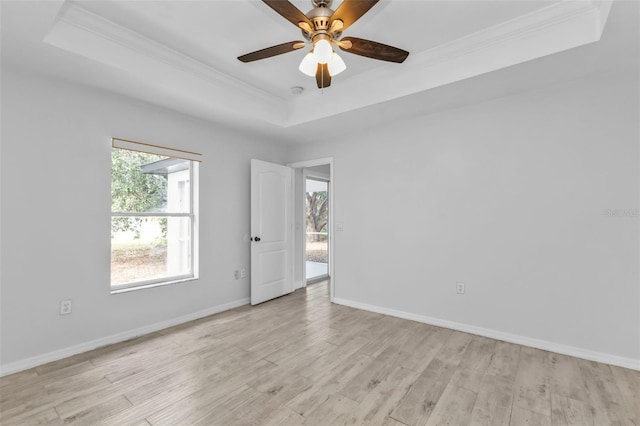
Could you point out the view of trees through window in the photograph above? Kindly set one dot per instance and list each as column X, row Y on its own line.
column 317, row 213
column 150, row 220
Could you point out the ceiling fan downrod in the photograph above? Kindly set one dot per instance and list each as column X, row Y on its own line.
column 321, row 3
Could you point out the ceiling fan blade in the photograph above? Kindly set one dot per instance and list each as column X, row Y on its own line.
column 373, row 49
column 323, row 78
column 288, row 11
column 351, row 10
column 272, row 51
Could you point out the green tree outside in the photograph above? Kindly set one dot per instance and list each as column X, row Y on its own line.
column 133, row 191
column 317, row 212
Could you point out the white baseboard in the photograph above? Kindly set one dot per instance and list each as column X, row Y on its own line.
column 37, row 360
column 590, row 355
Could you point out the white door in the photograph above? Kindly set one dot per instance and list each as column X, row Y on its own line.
column 271, row 236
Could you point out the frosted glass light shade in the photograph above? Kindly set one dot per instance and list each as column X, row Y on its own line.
column 336, row 65
column 308, row 65
column 322, row 51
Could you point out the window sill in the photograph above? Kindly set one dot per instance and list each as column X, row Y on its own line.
column 151, row 285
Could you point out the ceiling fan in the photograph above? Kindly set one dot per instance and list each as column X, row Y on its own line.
column 323, row 27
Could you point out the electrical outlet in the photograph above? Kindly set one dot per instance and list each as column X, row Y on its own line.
column 240, row 273
column 65, row 307
column 460, row 288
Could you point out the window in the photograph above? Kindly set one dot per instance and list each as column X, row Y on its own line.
column 153, row 215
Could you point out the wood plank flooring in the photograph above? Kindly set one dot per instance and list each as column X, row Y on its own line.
column 299, row 360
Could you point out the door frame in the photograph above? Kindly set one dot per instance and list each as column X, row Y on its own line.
column 302, row 266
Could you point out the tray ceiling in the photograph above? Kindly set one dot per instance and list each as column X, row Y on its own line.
column 182, row 54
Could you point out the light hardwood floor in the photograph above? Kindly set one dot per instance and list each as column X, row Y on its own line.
column 301, row 360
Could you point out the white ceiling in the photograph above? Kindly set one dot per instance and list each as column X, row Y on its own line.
column 182, row 55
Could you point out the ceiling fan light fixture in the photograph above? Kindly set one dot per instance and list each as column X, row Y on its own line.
column 308, row 65
column 336, row 65
column 322, row 51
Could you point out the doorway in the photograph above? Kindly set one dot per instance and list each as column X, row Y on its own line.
column 319, row 170
column 316, row 226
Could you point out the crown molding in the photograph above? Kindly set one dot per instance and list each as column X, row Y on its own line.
column 555, row 28
column 551, row 29
column 535, row 25
column 85, row 33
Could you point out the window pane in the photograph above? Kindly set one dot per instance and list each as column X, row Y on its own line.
column 149, row 248
column 142, row 182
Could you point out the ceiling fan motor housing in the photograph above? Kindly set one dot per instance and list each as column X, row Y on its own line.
column 320, row 16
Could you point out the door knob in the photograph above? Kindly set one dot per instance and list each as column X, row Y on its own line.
column 256, row 239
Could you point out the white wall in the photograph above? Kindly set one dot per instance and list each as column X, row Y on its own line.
column 509, row 197
column 56, row 216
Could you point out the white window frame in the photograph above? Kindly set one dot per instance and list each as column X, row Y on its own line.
column 194, row 171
